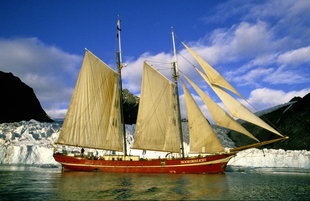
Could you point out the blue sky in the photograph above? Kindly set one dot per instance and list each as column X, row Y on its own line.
column 261, row 47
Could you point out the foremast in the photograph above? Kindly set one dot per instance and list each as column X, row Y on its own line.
column 119, row 67
column 175, row 77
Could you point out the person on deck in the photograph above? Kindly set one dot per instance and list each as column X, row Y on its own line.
column 82, row 152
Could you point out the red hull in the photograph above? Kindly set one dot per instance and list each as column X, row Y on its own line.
column 206, row 164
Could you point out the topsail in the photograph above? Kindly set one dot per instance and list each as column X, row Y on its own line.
column 213, row 75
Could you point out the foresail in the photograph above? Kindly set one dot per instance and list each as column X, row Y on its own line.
column 220, row 117
column 93, row 119
column 236, row 108
column 157, row 127
column 213, row 75
column 202, row 137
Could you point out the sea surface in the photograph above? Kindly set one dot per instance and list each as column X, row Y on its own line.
column 34, row 183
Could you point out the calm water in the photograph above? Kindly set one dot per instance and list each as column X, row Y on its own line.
column 31, row 183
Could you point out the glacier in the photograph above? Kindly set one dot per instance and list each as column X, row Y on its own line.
column 32, row 143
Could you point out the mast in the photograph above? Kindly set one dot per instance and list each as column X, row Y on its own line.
column 175, row 77
column 119, row 67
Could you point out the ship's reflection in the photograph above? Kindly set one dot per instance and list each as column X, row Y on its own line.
column 81, row 185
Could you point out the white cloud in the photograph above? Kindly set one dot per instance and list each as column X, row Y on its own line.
column 284, row 13
column 263, row 60
column 289, row 19
column 132, row 73
column 57, row 113
column 281, row 76
column 263, row 98
column 252, row 77
column 256, row 41
column 283, row 9
column 246, row 40
column 50, row 71
column 252, row 39
column 280, row 72
column 295, row 57
column 25, row 55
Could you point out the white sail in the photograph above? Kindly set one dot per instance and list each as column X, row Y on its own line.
column 236, row 108
column 93, row 119
column 157, row 127
column 202, row 137
column 220, row 117
column 214, row 77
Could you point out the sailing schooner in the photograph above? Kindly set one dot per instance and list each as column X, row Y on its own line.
column 95, row 120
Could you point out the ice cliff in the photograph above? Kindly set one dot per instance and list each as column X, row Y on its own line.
column 28, row 142
column 32, row 143
column 272, row 158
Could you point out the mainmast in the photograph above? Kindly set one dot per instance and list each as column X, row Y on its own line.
column 119, row 67
column 175, row 77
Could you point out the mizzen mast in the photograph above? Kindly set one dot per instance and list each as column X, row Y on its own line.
column 175, row 77
column 119, row 67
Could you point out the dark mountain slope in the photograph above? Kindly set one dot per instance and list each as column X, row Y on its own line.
column 130, row 106
column 18, row 101
column 292, row 119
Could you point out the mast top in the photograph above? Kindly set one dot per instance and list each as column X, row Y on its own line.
column 118, row 25
column 175, row 64
column 119, row 51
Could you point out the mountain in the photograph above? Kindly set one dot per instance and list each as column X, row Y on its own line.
column 291, row 119
column 130, row 105
column 18, row 101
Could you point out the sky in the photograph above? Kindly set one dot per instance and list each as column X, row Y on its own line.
column 261, row 47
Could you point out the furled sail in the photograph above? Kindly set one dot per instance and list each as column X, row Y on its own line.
column 236, row 108
column 220, row 117
column 93, row 119
column 202, row 137
column 157, row 127
column 213, row 75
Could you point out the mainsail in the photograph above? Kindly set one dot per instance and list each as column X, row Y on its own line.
column 202, row 137
column 220, row 117
column 157, row 126
column 93, row 119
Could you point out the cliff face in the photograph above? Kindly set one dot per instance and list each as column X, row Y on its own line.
column 291, row 119
column 18, row 101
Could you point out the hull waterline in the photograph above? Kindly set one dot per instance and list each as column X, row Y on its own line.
column 198, row 165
